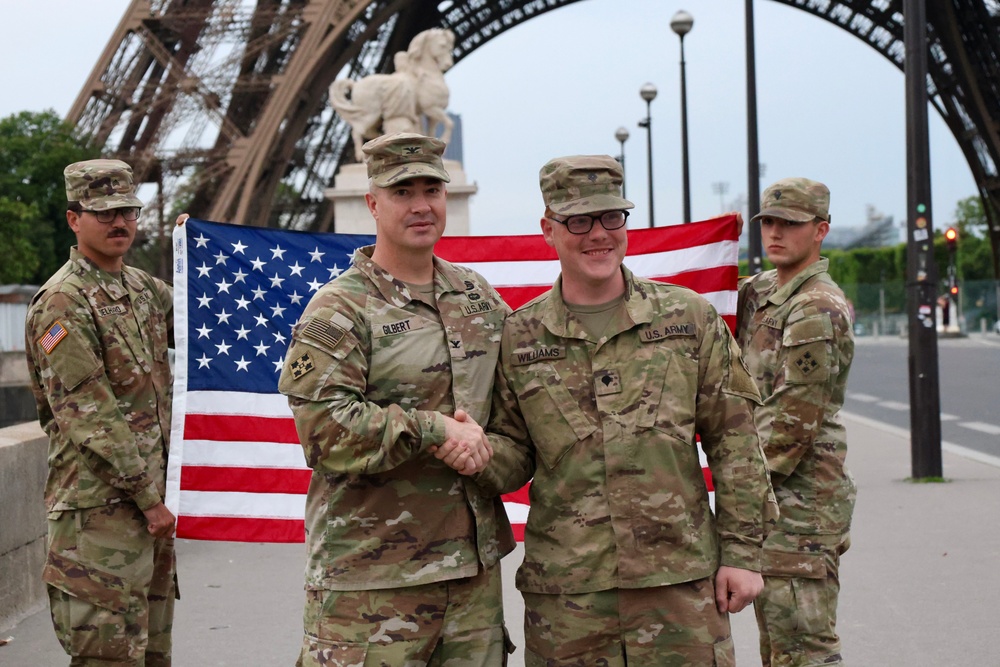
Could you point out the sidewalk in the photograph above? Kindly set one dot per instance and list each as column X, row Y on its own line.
column 918, row 585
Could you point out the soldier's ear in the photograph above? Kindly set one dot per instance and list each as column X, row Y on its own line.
column 822, row 229
column 73, row 220
column 547, row 231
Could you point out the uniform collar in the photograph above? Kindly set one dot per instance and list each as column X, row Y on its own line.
column 111, row 283
column 638, row 310
column 785, row 292
column 446, row 277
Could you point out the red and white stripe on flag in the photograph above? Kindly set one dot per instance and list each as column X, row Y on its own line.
column 236, row 469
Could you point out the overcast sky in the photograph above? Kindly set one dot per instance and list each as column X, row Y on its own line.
column 830, row 107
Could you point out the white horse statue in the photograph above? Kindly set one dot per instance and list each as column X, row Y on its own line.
column 412, row 99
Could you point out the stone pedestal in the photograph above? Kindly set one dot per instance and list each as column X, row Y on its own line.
column 351, row 215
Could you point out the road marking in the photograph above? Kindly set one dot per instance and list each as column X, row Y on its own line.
column 981, row 427
column 945, row 417
column 864, row 398
column 951, row 448
column 895, row 405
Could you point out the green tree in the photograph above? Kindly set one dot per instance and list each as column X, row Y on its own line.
column 975, row 251
column 970, row 218
column 19, row 259
column 35, row 147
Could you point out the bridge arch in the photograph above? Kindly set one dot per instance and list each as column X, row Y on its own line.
column 223, row 103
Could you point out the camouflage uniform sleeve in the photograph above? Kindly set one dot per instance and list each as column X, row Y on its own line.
column 325, row 376
column 726, row 399
column 813, row 352
column 84, row 406
column 513, row 462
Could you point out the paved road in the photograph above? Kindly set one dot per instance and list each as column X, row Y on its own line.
column 919, row 583
column 969, row 370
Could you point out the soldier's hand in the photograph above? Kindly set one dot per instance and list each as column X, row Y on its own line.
column 181, row 219
column 455, row 455
column 160, row 520
column 735, row 588
column 469, row 437
column 739, row 221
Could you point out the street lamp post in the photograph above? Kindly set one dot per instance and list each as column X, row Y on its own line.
column 721, row 188
column 621, row 134
column 681, row 23
column 648, row 93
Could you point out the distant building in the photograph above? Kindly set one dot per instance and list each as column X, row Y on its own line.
column 879, row 231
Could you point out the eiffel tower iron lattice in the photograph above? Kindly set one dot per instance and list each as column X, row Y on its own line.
column 223, row 103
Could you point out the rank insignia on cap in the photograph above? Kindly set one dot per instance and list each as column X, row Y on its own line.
column 301, row 366
column 51, row 338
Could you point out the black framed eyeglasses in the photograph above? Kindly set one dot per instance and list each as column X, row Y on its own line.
column 130, row 214
column 583, row 223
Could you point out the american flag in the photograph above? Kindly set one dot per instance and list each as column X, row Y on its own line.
column 236, row 470
column 52, row 337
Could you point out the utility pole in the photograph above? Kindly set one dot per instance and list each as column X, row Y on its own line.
column 755, row 250
column 921, row 270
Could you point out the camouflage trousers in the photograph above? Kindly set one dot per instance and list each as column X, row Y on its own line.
column 457, row 623
column 797, row 610
column 666, row 626
column 111, row 587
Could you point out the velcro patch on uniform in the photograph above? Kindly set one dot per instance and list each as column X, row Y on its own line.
column 323, row 332
column 116, row 309
column 455, row 347
column 301, row 366
column 806, row 363
column 657, row 332
column 769, row 321
column 51, row 338
column 380, row 329
column 607, row 382
column 476, row 308
column 525, row 357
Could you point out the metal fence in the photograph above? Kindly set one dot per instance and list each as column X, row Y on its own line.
column 880, row 309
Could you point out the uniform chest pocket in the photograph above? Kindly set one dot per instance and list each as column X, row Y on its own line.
column 669, row 393
column 554, row 419
column 408, row 356
column 125, row 356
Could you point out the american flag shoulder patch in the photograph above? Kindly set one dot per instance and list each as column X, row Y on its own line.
column 51, row 338
column 327, row 333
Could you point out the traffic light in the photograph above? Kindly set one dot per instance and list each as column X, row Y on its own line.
column 951, row 237
column 953, row 286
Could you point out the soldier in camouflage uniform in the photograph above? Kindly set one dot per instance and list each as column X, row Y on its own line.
column 389, row 362
column 602, row 386
column 96, row 338
column 794, row 328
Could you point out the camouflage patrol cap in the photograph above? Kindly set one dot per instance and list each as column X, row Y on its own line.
column 99, row 185
column 392, row 158
column 797, row 199
column 582, row 184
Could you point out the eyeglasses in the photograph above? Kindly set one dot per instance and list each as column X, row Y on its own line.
column 583, row 223
column 107, row 217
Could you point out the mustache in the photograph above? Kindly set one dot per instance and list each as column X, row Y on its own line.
column 117, row 232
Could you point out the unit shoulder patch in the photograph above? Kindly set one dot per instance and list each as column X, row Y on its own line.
column 301, row 366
